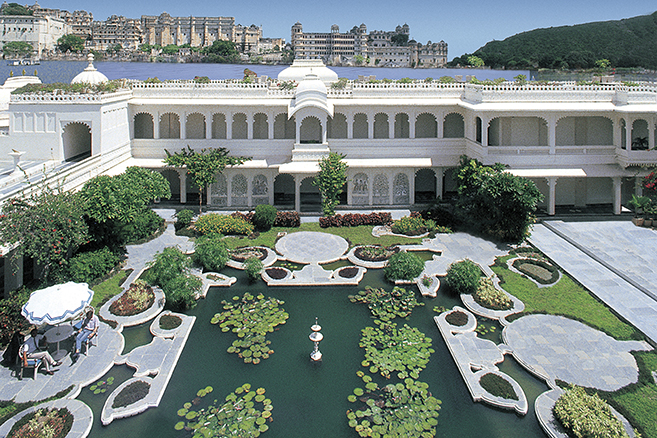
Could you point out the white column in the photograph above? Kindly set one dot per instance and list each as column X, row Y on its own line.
column 350, row 125
column 297, row 130
column 297, row 193
column 229, row 125
column 270, row 128
column 552, row 189
column 208, row 125
column 229, row 190
column 552, row 136
column 182, row 173
column 370, row 182
column 484, row 131
column 156, row 125
column 270, row 188
column 370, row 125
column 440, row 173
column 440, row 121
column 628, row 135
column 391, row 194
column 208, row 195
column 651, row 136
column 325, row 130
column 391, row 125
column 616, row 180
column 249, row 185
column 183, row 125
column 411, row 126
column 349, row 194
column 411, row 187
column 249, row 126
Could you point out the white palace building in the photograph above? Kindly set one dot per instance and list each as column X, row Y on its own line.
column 401, row 141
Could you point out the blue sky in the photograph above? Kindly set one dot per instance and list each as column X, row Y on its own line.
column 463, row 26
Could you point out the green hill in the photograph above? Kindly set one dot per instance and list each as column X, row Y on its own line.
column 631, row 42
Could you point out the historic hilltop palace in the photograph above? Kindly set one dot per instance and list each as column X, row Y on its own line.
column 581, row 144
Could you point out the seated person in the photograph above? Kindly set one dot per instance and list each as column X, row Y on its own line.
column 30, row 350
column 88, row 329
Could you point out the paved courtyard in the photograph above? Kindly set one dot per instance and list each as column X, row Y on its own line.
column 615, row 260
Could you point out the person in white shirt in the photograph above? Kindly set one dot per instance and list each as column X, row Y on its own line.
column 88, row 329
column 30, row 350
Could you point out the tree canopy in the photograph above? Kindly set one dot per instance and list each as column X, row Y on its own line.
column 70, row 42
column 630, row 42
column 330, row 180
column 495, row 202
column 221, row 51
column 204, row 165
column 17, row 49
column 16, row 9
column 48, row 226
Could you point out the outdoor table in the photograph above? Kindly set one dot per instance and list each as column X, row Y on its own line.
column 58, row 334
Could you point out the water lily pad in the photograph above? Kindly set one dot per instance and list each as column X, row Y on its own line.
column 179, row 425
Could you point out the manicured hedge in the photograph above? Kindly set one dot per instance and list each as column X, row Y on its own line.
column 222, row 224
column 89, row 266
column 403, row 266
column 284, row 219
column 355, row 219
column 132, row 393
column 463, row 277
column 550, row 268
column 264, row 217
column 498, row 386
column 587, row 416
column 413, row 226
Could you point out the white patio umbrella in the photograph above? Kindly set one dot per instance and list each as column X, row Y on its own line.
column 58, row 303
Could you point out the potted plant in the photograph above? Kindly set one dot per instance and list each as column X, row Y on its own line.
column 639, row 204
column 651, row 213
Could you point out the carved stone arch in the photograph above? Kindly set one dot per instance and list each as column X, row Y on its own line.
column 240, row 126
column 380, row 189
column 400, row 189
column 143, row 125
column 381, row 125
column 360, row 128
column 260, row 190
column 284, row 189
column 284, row 128
column 309, row 195
column 260, row 126
column 310, row 130
column 454, row 125
column 640, row 134
column 195, row 126
column 402, row 125
column 173, row 177
column 239, row 190
column 337, row 126
column 219, row 191
column 360, row 191
column 76, row 141
column 584, row 130
column 169, row 125
column 219, row 126
column 425, row 186
column 426, row 125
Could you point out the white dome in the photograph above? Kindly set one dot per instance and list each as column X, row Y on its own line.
column 310, row 93
column 300, row 68
column 90, row 75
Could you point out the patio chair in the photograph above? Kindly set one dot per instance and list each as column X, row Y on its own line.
column 29, row 363
column 90, row 342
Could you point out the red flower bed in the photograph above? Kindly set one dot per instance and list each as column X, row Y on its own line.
column 355, row 219
column 135, row 300
column 56, row 422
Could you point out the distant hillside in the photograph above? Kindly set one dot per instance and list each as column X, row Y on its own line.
column 626, row 43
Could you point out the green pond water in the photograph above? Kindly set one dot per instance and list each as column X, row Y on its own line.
column 310, row 399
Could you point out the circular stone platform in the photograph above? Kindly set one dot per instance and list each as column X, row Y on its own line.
column 312, row 247
column 556, row 347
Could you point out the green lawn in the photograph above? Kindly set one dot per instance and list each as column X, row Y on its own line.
column 107, row 289
column 361, row 235
column 565, row 298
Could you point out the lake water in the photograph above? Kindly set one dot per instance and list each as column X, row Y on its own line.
column 310, row 400
column 64, row 71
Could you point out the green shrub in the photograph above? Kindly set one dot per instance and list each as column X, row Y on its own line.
column 183, row 219
column 167, row 265
column 253, row 267
column 210, row 252
column 413, row 226
column 181, row 291
column 463, row 277
column 132, row 393
column 11, row 319
column 89, row 266
column 498, row 386
column 222, row 224
column 403, row 266
column 264, row 217
column 142, row 227
column 525, row 266
column 489, row 296
column 587, row 416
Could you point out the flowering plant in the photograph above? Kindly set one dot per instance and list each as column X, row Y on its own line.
column 650, row 183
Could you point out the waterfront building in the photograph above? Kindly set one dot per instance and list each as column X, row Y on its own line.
column 41, row 32
column 116, row 30
column 79, row 22
column 358, row 47
column 195, row 31
column 247, row 38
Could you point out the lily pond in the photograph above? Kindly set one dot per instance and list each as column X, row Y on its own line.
column 290, row 396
